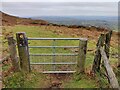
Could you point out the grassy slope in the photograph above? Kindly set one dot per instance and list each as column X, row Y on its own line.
column 41, row 31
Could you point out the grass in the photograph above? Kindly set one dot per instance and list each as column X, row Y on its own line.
column 84, row 83
column 39, row 80
column 81, row 81
column 24, row 80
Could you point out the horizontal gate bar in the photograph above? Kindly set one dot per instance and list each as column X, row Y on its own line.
column 48, row 72
column 53, row 54
column 53, row 46
column 57, row 39
column 59, row 63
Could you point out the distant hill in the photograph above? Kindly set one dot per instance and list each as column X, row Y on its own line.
column 8, row 20
column 98, row 21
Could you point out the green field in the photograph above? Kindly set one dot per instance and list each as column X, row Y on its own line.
column 36, row 79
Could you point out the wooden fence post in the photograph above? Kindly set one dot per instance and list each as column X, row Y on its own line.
column 82, row 56
column 22, row 43
column 97, row 58
column 13, row 53
column 111, row 76
column 107, row 43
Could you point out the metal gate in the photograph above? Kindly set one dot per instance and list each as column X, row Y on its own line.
column 54, row 55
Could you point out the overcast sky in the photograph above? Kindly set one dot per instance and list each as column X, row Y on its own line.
column 60, row 0
column 60, row 7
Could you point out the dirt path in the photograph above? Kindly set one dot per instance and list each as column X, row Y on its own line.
column 58, row 80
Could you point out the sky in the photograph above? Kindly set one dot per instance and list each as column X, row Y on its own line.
column 32, row 8
column 60, row 0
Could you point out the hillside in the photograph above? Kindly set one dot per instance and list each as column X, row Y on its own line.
column 8, row 20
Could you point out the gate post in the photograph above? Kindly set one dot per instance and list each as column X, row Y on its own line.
column 22, row 43
column 13, row 53
column 82, row 56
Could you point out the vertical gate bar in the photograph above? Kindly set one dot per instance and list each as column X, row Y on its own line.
column 61, row 59
column 54, row 55
column 43, row 64
column 28, row 53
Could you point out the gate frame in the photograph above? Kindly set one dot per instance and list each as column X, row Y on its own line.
column 22, row 43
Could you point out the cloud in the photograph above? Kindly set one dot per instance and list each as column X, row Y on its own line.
column 61, row 8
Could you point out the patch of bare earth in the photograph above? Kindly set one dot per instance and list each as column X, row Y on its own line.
column 56, row 80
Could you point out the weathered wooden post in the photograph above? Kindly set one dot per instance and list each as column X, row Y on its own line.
column 107, row 43
column 13, row 53
column 22, row 43
column 82, row 56
column 111, row 76
column 97, row 58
